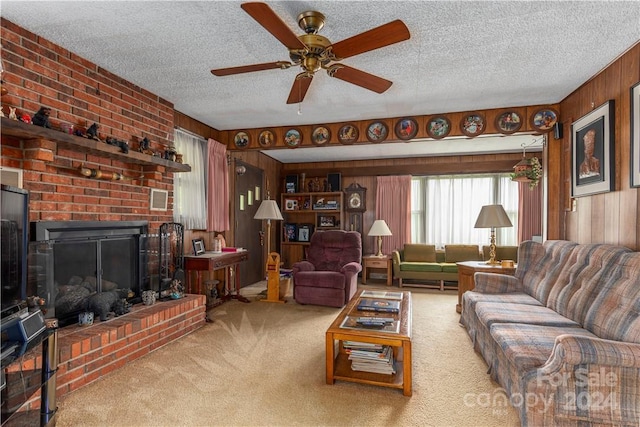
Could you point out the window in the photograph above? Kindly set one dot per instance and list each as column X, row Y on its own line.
column 444, row 208
column 190, row 196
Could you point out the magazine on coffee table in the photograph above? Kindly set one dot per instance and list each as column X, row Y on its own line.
column 388, row 324
column 382, row 294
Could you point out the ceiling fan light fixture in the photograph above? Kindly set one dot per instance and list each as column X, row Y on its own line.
column 311, row 21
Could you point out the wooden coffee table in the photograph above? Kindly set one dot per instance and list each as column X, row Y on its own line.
column 338, row 363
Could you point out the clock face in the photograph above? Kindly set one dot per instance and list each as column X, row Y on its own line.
column 355, row 201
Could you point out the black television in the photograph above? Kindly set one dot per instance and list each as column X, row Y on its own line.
column 14, row 215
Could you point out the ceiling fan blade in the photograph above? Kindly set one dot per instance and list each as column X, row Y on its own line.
column 359, row 77
column 250, row 68
column 299, row 88
column 384, row 35
column 266, row 17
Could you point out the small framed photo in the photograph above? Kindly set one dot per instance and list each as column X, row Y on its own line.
column 438, row 127
column 241, row 139
column 592, row 152
column 304, row 232
column 635, row 135
column 348, row 134
column 377, row 131
column 327, row 221
column 320, row 135
column 508, row 122
column 198, row 246
column 290, row 232
column 290, row 204
column 472, row 124
column 406, row 129
column 544, row 119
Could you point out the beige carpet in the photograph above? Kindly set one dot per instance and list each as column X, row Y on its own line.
column 263, row 364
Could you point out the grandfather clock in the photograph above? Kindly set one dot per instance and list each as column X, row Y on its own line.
column 355, row 199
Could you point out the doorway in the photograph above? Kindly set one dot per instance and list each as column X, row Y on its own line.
column 249, row 193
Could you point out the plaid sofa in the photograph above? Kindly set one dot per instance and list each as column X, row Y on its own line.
column 562, row 337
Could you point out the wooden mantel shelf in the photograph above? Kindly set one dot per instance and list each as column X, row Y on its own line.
column 22, row 130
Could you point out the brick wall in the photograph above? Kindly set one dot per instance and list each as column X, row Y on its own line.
column 40, row 73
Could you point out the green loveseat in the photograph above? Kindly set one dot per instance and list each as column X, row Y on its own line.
column 422, row 262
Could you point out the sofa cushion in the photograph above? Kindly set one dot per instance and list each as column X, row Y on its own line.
column 498, row 312
column 449, row 267
column 457, row 253
column 421, row 266
column 414, row 252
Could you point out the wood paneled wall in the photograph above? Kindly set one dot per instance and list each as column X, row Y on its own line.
column 602, row 218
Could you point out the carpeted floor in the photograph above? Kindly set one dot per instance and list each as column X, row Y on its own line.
column 263, row 364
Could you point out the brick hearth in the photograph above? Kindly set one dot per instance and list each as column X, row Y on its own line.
column 86, row 353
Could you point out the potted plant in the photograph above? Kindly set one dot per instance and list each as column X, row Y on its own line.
column 527, row 170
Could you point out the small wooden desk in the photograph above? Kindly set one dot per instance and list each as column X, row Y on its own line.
column 372, row 261
column 211, row 261
column 467, row 269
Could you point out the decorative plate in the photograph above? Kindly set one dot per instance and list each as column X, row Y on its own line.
column 508, row 122
column 320, row 135
column 544, row 119
column 241, row 140
column 438, row 127
column 348, row 134
column 293, row 138
column 472, row 124
column 377, row 132
column 406, row 129
column 266, row 138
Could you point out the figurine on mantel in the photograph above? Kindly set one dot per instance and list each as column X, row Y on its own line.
column 41, row 118
column 124, row 146
column 12, row 113
column 145, row 146
column 92, row 132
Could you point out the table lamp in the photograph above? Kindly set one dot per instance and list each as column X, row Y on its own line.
column 379, row 229
column 492, row 216
column 268, row 210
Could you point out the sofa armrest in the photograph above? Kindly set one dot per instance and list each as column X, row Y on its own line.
column 493, row 283
column 578, row 350
column 351, row 268
column 302, row 266
column 397, row 260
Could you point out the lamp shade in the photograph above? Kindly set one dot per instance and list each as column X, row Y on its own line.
column 268, row 210
column 379, row 228
column 492, row 216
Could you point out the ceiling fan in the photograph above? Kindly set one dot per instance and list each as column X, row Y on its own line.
column 313, row 52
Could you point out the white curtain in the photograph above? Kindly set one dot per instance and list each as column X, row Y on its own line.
column 189, row 188
column 444, row 209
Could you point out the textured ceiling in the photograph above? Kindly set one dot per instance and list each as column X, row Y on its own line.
column 462, row 55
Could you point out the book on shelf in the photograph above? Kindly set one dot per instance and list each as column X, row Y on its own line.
column 386, row 324
column 382, row 294
column 379, row 361
column 381, row 305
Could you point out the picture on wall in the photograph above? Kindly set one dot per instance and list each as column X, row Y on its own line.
column 635, row 135
column 592, row 152
column 290, row 232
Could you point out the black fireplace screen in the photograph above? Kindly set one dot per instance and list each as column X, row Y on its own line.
column 72, row 260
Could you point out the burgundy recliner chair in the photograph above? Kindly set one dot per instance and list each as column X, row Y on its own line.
column 329, row 276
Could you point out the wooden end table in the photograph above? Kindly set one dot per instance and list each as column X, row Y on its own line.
column 338, row 363
column 376, row 262
column 467, row 269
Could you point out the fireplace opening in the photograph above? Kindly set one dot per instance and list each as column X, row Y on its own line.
column 70, row 262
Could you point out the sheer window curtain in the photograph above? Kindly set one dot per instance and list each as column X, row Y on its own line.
column 189, row 188
column 393, row 204
column 218, row 189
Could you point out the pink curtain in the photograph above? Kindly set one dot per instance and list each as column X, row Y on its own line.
column 217, row 187
column 529, row 211
column 393, row 204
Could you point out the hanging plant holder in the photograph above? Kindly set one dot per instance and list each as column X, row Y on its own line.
column 527, row 170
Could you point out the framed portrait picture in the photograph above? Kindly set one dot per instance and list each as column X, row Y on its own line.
column 438, row 127
column 635, row 135
column 406, row 129
column 377, row 131
column 320, row 135
column 592, row 152
column 508, row 122
column 544, row 119
column 472, row 124
column 348, row 134
column 198, row 246
column 304, row 232
column 290, row 232
column 293, row 138
column 266, row 138
column 327, row 221
column 241, row 139
column 290, row 204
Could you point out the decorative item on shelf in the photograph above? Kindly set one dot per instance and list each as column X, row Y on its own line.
column 241, row 139
column 219, row 243
column 472, row 124
column 144, row 146
column 85, row 318
column 92, row 132
column 266, row 138
column 176, row 289
column 124, row 146
column 149, row 297
column 1, row 112
column 320, row 135
column 527, row 170
column 25, row 119
column 508, row 122
column 379, row 229
column 41, row 118
column 179, row 158
column 293, row 138
column 348, row 134
column 98, row 174
column 406, row 129
column 66, row 127
column 377, row 131
column 492, row 216
column 170, row 153
column 438, row 127
column 198, row 246
column 268, row 211
column 544, row 119
column 304, row 232
column 12, row 113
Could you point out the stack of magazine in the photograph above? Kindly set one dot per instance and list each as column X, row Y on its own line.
column 367, row 357
column 380, row 301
